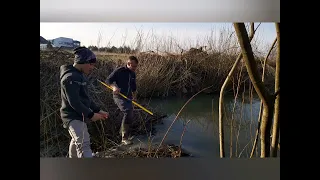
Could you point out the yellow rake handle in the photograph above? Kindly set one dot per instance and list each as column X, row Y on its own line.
column 127, row 98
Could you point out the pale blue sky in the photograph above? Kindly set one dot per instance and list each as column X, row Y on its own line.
column 112, row 34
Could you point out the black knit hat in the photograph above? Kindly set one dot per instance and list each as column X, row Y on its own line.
column 84, row 55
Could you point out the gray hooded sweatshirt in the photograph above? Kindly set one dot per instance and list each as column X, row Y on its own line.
column 76, row 103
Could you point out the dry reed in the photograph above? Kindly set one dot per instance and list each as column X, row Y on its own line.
column 157, row 76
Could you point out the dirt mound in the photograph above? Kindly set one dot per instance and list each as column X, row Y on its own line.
column 147, row 151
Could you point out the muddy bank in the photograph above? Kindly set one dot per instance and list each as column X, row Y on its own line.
column 143, row 150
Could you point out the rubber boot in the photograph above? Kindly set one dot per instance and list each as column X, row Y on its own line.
column 125, row 135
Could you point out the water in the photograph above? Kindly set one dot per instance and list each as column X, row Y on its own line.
column 201, row 137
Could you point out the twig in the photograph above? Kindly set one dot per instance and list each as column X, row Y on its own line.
column 184, row 129
column 178, row 116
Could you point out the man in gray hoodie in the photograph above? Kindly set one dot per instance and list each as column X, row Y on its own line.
column 77, row 108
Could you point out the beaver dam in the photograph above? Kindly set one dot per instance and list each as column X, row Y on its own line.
column 173, row 77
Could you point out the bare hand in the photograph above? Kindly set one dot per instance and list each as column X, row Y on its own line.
column 134, row 97
column 97, row 117
column 116, row 90
column 104, row 114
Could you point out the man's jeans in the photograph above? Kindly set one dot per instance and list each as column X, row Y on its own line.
column 126, row 108
column 80, row 140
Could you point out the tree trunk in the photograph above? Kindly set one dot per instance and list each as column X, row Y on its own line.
column 276, row 118
column 259, row 87
column 261, row 104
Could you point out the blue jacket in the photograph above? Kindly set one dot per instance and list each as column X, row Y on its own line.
column 125, row 79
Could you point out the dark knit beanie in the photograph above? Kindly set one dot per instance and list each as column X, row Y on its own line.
column 84, row 55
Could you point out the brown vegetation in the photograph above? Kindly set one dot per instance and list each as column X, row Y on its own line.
column 53, row 138
column 152, row 151
column 157, row 76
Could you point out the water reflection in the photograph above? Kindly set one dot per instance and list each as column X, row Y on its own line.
column 202, row 134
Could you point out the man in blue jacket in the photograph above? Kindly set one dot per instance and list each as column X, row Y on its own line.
column 77, row 108
column 123, row 80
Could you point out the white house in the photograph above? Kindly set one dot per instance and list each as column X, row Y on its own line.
column 64, row 42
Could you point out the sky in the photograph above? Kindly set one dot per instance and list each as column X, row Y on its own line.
column 117, row 34
column 160, row 11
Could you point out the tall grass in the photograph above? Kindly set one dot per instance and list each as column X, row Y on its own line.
column 179, row 75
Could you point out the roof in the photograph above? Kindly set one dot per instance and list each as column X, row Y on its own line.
column 63, row 38
column 43, row 40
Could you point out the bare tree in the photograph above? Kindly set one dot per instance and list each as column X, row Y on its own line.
column 99, row 40
column 227, row 80
column 124, row 36
column 267, row 99
column 138, row 40
column 261, row 103
column 276, row 118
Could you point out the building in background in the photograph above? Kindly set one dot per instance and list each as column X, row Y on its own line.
column 63, row 42
column 43, row 43
column 76, row 43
